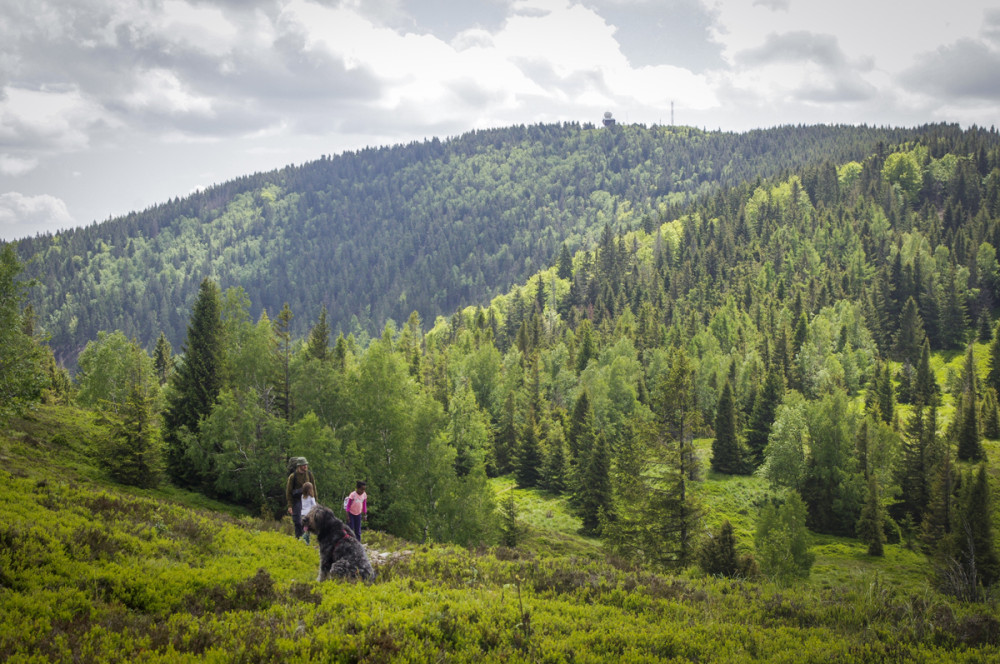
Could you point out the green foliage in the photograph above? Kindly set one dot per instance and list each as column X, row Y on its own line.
column 196, row 383
column 21, row 377
column 726, row 456
column 110, row 369
column 719, row 556
column 781, row 542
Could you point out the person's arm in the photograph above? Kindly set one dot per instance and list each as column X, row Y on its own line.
column 288, row 492
column 312, row 479
column 364, row 507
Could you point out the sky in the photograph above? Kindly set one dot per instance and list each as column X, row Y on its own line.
column 112, row 106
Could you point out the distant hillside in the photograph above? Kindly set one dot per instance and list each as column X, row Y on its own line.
column 383, row 232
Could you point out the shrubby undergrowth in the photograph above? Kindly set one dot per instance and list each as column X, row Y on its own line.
column 90, row 571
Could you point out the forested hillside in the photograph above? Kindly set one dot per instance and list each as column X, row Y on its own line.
column 377, row 234
column 775, row 405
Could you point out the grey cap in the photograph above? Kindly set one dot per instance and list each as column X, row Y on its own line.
column 301, row 461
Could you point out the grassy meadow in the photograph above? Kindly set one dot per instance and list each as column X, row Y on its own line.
column 95, row 572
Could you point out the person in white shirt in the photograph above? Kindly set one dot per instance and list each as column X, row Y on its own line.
column 308, row 503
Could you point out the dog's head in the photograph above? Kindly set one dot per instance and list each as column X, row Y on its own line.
column 322, row 521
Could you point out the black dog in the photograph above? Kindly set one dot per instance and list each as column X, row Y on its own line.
column 340, row 553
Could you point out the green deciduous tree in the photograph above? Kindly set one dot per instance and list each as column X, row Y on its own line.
column 781, row 539
column 110, row 368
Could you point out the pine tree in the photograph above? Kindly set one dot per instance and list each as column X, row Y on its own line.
column 726, row 457
column 671, row 512
column 990, row 416
column 925, row 388
column 870, row 528
column 993, row 371
column 718, row 556
column 528, row 463
column 21, row 359
column 163, row 360
column 565, row 266
column 596, row 495
column 762, row 416
column 939, row 515
column 970, row 447
column 975, row 544
column 283, row 361
column 133, row 452
column 910, row 337
column 580, row 436
column 319, row 338
column 197, row 382
column 920, row 453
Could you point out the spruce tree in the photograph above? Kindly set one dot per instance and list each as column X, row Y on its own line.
column 763, row 414
column 596, row 494
column 163, row 360
column 283, row 361
column 970, row 446
column 989, row 415
column 528, row 464
column 21, row 359
column 925, row 388
column 993, row 370
column 197, row 382
column 565, row 266
column 726, row 457
column 319, row 338
column 719, row 557
column 671, row 512
column 975, row 545
column 910, row 337
column 870, row 527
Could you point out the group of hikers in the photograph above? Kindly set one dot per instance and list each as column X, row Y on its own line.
column 300, row 493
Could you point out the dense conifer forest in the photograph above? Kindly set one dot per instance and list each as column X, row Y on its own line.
column 767, row 399
column 376, row 234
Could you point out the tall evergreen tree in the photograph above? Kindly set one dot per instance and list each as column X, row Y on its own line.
column 528, row 463
column 975, row 545
column 990, row 415
column 925, row 388
column 762, row 416
column 564, row 270
column 319, row 337
column 21, row 373
column 163, row 360
column 671, row 512
column 197, row 382
column 910, row 337
column 870, row 527
column 993, row 370
column 726, row 456
column 596, row 494
column 283, row 361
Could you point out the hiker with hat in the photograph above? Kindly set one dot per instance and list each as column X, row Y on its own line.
column 300, row 476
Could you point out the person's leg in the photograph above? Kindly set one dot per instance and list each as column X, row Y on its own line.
column 297, row 520
column 356, row 525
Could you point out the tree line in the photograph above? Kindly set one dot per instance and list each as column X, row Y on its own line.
column 796, row 322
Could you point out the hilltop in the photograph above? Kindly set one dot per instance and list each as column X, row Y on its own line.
column 380, row 233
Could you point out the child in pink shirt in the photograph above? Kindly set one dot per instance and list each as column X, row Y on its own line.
column 357, row 508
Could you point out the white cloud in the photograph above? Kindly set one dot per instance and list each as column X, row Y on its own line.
column 24, row 216
column 11, row 165
column 48, row 120
column 161, row 91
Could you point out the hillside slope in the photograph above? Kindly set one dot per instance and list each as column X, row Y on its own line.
column 380, row 233
column 96, row 572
